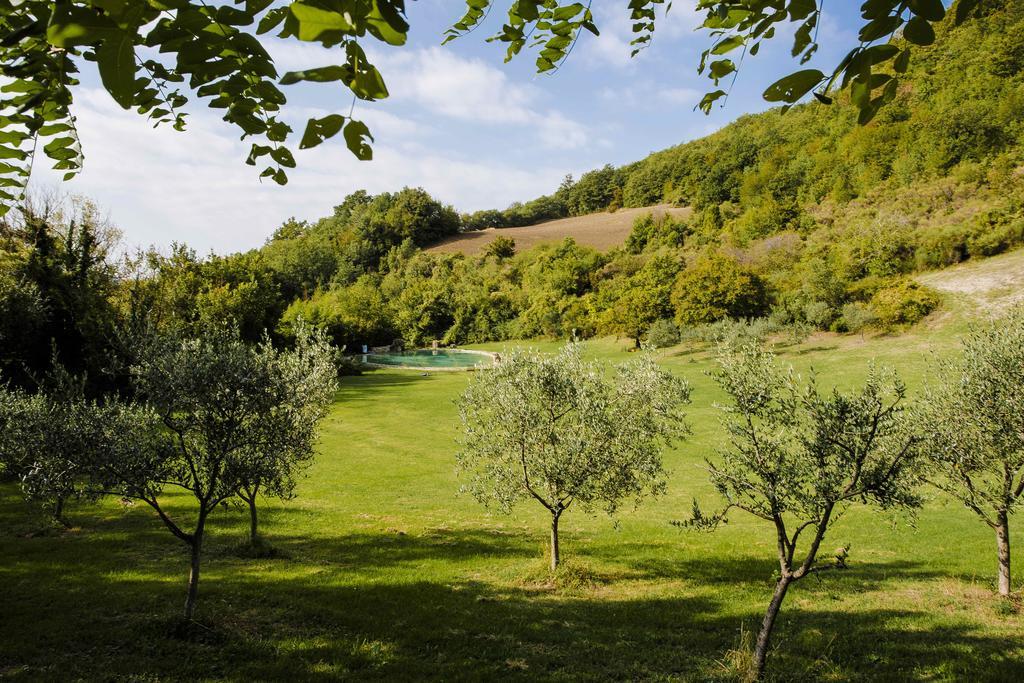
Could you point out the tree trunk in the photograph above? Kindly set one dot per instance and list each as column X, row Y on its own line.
column 253, row 522
column 196, row 545
column 58, row 512
column 764, row 636
column 554, row 540
column 1003, row 547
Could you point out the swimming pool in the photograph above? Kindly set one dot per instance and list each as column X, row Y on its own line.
column 431, row 359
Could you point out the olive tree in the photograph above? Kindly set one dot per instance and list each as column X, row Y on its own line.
column 798, row 457
column 226, row 406
column 44, row 442
column 562, row 431
column 976, row 428
column 306, row 380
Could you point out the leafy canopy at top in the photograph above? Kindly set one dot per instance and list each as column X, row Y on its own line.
column 153, row 55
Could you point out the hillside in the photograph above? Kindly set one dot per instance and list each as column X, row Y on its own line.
column 602, row 231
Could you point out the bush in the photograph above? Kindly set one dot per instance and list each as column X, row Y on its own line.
column 663, row 334
column 717, row 287
column 501, row 248
column 904, row 303
column 858, row 317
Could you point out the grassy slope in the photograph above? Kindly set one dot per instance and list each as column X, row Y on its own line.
column 388, row 574
column 602, row 231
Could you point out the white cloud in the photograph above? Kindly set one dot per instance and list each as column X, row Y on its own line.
column 613, row 47
column 162, row 186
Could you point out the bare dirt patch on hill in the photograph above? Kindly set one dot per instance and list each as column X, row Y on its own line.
column 602, row 231
column 994, row 283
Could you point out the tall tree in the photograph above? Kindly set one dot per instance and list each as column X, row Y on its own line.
column 559, row 430
column 798, row 457
column 976, row 415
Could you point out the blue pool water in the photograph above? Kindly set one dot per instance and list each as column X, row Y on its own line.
column 429, row 358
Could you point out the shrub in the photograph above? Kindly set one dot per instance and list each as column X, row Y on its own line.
column 858, row 317
column 501, row 248
column 663, row 334
column 903, row 303
column 717, row 287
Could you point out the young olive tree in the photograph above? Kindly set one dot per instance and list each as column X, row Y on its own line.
column 976, row 421
column 564, row 431
column 44, row 442
column 798, row 457
column 306, row 380
column 223, row 404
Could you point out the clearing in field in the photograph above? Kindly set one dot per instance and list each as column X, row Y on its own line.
column 602, row 231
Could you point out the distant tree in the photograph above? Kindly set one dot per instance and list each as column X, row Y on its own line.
column 501, row 248
column 858, row 317
column 223, row 404
column 904, row 303
column 645, row 298
column 560, row 430
column 798, row 457
column 976, row 420
column 717, row 287
column 55, row 256
column 663, row 333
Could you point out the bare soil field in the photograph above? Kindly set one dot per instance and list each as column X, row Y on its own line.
column 602, row 231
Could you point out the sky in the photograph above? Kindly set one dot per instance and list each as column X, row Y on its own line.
column 472, row 130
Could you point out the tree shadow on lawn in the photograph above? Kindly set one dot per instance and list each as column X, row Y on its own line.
column 102, row 611
column 356, row 387
column 697, row 565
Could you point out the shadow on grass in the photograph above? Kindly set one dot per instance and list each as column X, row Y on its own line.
column 98, row 605
column 375, row 382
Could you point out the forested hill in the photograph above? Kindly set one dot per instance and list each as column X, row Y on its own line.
column 959, row 112
column 802, row 214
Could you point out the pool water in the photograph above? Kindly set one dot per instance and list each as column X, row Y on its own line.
column 430, row 358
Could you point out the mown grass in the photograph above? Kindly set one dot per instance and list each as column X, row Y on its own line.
column 384, row 572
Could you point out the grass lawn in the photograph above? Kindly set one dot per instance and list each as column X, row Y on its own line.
column 386, row 573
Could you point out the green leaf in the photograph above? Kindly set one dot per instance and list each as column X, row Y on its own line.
column 964, row 10
column 318, row 130
column 919, row 32
column 314, row 22
column 358, row 138
column 794, row 86
column 115, row 58
column 932, row 10
column 72, row 25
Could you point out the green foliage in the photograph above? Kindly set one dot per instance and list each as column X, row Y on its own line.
column 976, row 421
column 351, row 317
column 501, row 248
column 903, row 303
column 797, row 457
column 663, row 333
column 717, row 287
column 559, row 430
column 58, row 280
column 153, row 56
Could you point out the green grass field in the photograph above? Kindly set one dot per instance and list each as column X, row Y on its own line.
column 384, row 572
